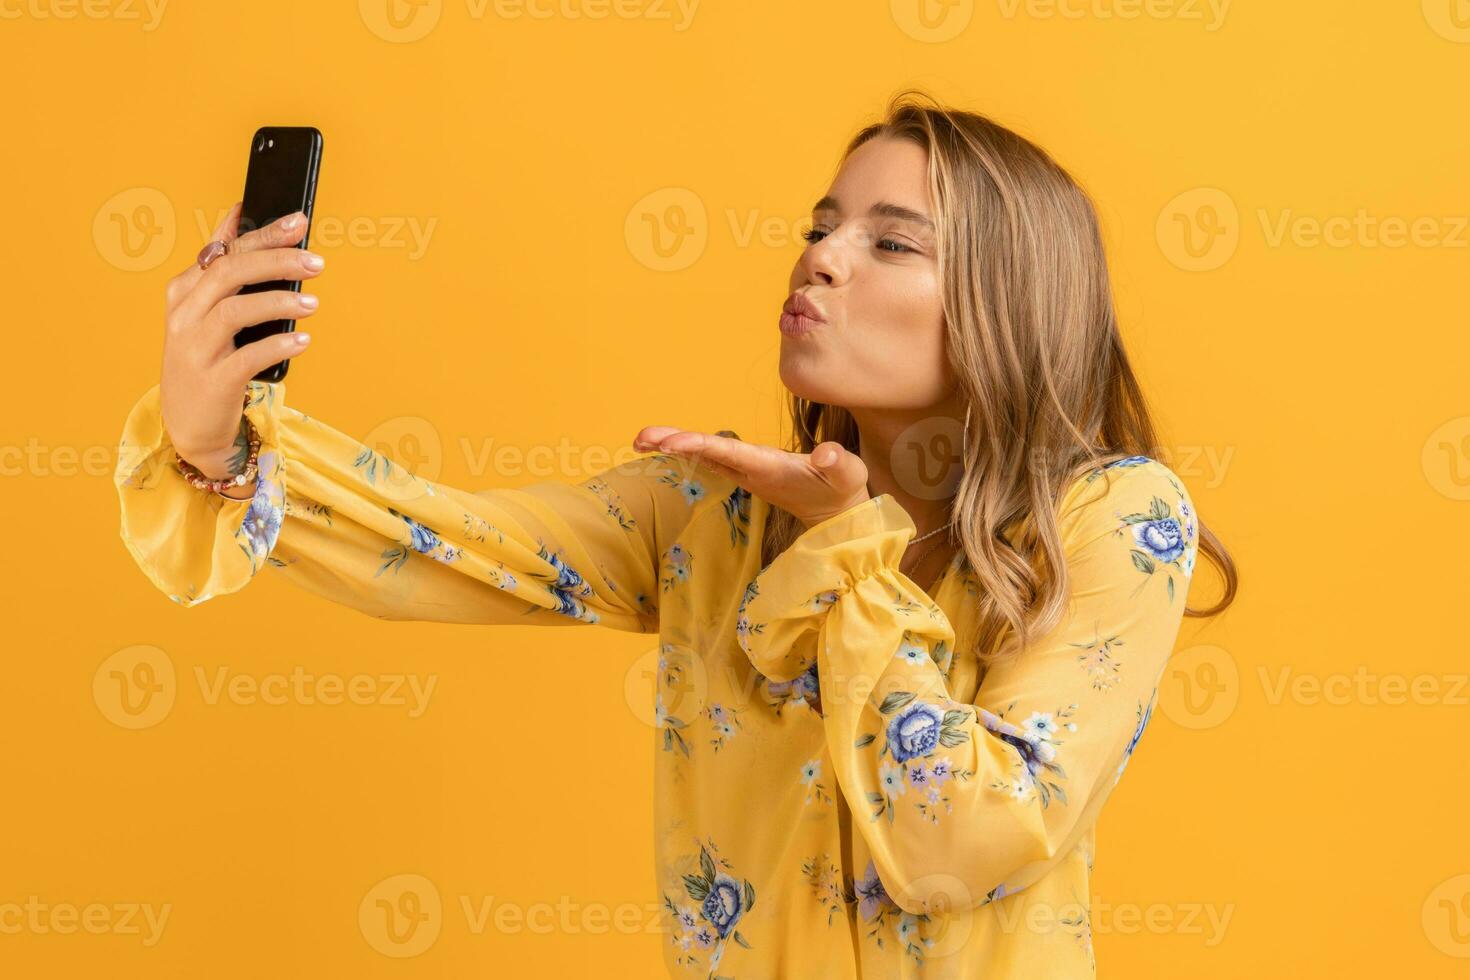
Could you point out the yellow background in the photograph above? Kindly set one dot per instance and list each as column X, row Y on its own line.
column 1312, row 388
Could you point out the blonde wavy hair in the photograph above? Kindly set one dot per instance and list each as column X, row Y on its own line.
column 1032, row 337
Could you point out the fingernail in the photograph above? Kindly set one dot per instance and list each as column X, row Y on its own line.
column 313, row 261
column 307, row 301
column 290, row 221
column 302, row 339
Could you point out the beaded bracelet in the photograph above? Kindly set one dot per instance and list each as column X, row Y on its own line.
column 199, row 481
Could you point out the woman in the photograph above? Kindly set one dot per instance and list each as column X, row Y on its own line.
column 892, row 698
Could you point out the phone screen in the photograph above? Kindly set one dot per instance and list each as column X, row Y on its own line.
column 280, row 179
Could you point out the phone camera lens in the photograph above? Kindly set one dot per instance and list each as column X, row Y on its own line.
column 260, row 145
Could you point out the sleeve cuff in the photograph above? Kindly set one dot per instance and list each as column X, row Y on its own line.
column 782, row 607
column 192, row 544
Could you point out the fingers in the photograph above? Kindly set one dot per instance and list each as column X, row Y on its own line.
column 277, row 234
column 286, row 231
column 226, row 229
column 255, row 357
column 742, row 460
column 179, row 285
column 844, row 471
column 648, row 437
column 812, row 486
column 228, row 273
column 233, row 313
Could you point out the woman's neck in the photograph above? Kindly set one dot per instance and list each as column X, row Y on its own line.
column 916, row 458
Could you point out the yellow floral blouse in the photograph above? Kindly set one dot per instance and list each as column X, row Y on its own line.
column 842, row 791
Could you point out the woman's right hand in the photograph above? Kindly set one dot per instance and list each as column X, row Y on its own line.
column 204, row 376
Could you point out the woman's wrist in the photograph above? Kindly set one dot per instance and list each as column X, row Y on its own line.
column 223, row 469
column 230, row 471
column 244, row 492
column 218, row 465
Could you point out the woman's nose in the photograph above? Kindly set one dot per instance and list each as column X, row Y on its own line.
column 826, row 262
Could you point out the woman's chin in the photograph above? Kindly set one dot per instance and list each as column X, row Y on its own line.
column 804, row 376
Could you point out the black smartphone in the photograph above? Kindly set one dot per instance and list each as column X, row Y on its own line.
column 280, row 179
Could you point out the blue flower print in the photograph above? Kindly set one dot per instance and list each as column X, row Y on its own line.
column 1119, row 464
column 804, row 687
column 1161, row 539
column 691, row 490
column 568, row 588
column 724, row 721
column 572, row 608
column 811, row 775
column 422, row 539
column 722, row 906
column 568, row 579
column 262, row 522
column 1144, row 714
column 1036, row 743
column 722, row 901
column 737, row 514
column 915, row 731
column 744, row 628
column 877, row 907
column 872, row 897
column 1186, row 515
column 678, row 561
column 912, row 652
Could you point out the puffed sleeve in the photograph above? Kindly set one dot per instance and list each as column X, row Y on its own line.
column 963, row 803
column 350, row 524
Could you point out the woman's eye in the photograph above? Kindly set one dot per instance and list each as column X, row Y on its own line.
column 814, row 235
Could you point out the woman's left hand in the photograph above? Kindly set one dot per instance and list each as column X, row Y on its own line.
column 812, row 486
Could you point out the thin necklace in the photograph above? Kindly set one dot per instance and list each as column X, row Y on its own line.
column 923, row 537
column 921, row 558
column 928, row 534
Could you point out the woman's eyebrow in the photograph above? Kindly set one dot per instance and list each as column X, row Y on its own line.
column 885, row 208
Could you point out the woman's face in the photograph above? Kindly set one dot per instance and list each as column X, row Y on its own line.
column 870, row 269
